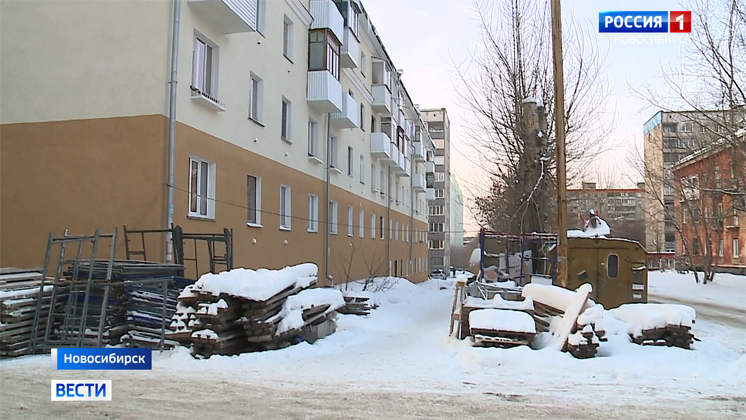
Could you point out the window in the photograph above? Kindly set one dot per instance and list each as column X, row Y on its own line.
column 333, row 214
column 685, row 127
column 254, row 192
column 695, row 246
column 436, row 210
column 313, row 139
column 439, row 193
column 284, row 207
column 669, row 128
column 286, row 118
column 440, row 160
column 350, row 223
column 439, row 143
column 668, row 190
column 396, row 231
column 436, row 227
column 261, row 13
column 373, row 177
column 362, row 117
column 287, row 38
column 735, row 249
column 382, row 187
column 362, row 169
column 721, row 245
column 362, row 63
column 204, row 66
column 612, row 265
column 362, row 223
column 333, row 154
column 256, row 88
column 372, row 123
column 373, row 226
column 350, row 154
column 396, row 190
column 323, row 51
column 313, row 213
column 436, row 244
column 695, row 215
column 684, row 216
column 201, row 188
column 381, row 224
column 440, row 177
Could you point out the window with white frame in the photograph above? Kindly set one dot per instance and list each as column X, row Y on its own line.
column 436, row 227
column 396, row 231
column 256, row 92
column 350, row 154
column 323, row 51
column 285, row 215
column 350, row 222
column 440, row 177
column 373, row 226
column 261, row 16
column 440, row 193
column 362, row 169
column 362, row 117
column 396, row 190
column 287, row 38
column 440, row 160
column 373, row 177
column 721, row 246
column 201, row 188
column 362, row 223
column 254, row 193
column 286, row 119
column 333, row 215
column 436, row 244
column 362, row 63
column 205, row 66
column 333, row 152
column 313, row 138
column 313, row 213
column 383, row 227
column 736, row 251
column 382, row 186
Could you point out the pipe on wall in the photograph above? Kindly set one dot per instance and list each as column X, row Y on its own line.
column 172, row 126
column 328, row 236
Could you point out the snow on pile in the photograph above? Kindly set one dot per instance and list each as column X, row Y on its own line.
column 206, row 334
column 258, row 285
column 502, row 320
column 292, row 309
column 212, row 308
column 554, row 296
column 30, row 291
column 602, row 229
column 578, row 339
column 499, row 303
column 476, row 256
column 572, row 311
column 646, row 316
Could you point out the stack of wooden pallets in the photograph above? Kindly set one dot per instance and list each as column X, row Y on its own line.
column 19, row 293
column 670, row 335
column 356, row 305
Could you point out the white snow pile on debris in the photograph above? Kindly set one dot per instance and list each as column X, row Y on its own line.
column 639, row 317
column 258, row 285
column 601, row 230
column 502, row 320
column 554, row 296
column 292, row 309
column 499, row 303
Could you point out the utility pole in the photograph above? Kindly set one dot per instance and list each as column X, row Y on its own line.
column 559, row 109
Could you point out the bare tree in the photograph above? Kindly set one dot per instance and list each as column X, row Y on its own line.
column 513, row 63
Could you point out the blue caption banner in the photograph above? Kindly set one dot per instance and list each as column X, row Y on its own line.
column 633, row 22
column 102, row 359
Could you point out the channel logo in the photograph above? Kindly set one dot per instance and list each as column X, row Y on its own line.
column 81, row 390
column 645, row 22
column 102, row 359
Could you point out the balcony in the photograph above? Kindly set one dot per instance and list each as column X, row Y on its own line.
column 228, row 16
column 324, row 91
column 430, row 194
column 350, row 50
column 326, row 15
column 206, row 100
column 349, row 117
column 430, row 166
column 398, row 167
column 419, row 152
column 382, row 148
column 382, row 100
column 418, row 183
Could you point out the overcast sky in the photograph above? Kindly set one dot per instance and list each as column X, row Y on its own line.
column 425, row 38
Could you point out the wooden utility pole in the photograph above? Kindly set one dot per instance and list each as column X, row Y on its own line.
column 559, row 119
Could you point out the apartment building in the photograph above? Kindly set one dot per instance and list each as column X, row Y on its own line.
column 457, row 214
column 284, row 121
column 669, row 137
column 622, row 208
column 439, row 198
column 710, row 205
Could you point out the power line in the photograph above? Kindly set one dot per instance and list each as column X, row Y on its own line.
column 306, row 219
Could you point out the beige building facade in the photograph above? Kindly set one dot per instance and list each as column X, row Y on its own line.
column 291, row 127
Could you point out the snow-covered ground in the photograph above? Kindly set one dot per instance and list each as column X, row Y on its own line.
column 400, row 363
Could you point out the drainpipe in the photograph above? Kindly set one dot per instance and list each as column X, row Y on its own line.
column 388, row 216
column 172, row 128
column 328, row 237
column 411, row 199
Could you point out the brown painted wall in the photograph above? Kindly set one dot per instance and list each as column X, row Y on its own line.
column 78, row 175
column 83, row 174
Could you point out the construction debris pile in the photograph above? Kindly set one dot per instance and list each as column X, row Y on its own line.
column 19, row 292
column 243, row 310
column 658, row 324
column 357, row 305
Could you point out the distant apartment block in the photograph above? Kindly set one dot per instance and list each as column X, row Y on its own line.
column 457, row 214
column 439, row 197
column 622, row 208
column 292, row 126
